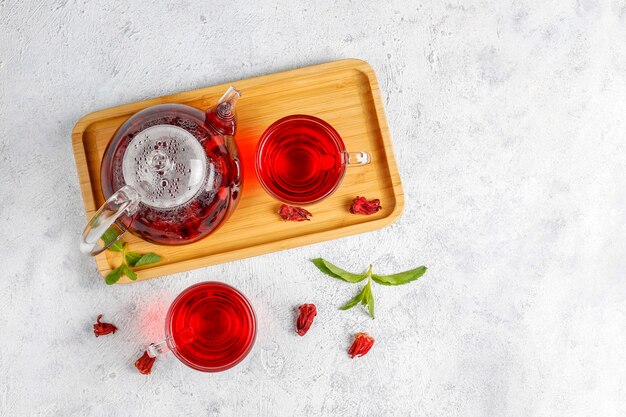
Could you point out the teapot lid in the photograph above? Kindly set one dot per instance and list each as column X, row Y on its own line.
column 168, row 165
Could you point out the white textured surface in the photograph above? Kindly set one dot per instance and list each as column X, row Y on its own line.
column 508, row 122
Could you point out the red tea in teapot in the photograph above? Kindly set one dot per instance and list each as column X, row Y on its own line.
column 184, row 165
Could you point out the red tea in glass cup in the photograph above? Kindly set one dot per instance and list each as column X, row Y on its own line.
column 210, row 327
column 302, row 159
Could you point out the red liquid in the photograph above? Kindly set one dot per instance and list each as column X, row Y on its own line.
column 300, row 159
column 212, row 327
column 205, row 212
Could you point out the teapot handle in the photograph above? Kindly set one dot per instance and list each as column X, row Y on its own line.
column 123, row 203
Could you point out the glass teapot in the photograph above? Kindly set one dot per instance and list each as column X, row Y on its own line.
column 171, row 175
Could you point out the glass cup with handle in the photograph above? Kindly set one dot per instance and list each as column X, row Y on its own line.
column 301, row 159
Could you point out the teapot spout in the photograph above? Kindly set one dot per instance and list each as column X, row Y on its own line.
column 222, row 117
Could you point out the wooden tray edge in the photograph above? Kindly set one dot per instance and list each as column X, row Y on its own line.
column 270, row 247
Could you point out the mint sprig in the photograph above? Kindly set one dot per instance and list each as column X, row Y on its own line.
column 366, row 296
column 129, row 259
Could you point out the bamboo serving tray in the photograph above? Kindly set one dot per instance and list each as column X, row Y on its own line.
column 344, row 93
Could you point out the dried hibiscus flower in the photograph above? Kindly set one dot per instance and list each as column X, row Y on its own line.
column 101, row 328
column 144, row 364
column 294, row 214
column 361, row 345
column 305, row 318
column 360, row 205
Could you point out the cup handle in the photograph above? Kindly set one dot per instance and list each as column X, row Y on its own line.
column 359, row 158
column 124, row 202
column 156, row 349
column 145, row 362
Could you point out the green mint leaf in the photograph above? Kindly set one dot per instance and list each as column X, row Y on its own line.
column 114, row 276
column 369, row 298
column 319, row 263
column 354, row 301
column 336, row 272
column 148, row 258
column 365, row 297
column 132, row 258
column 128, row 272
column 109, row 236
column 400, row 278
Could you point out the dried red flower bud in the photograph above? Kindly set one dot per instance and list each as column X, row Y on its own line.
column 361, row 345
column 100, row 328
column 305, row 318
column 144, row 364
column 294, row 214
column 360, row 205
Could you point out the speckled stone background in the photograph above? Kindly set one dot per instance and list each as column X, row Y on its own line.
column 508, row 123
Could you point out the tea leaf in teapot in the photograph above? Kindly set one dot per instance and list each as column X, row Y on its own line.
column 148, row 258
column 109, row 236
